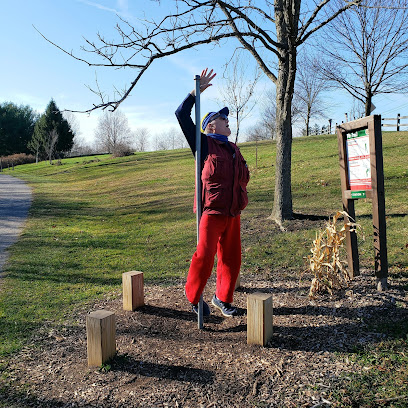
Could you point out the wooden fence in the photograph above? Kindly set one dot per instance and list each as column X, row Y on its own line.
column 397, row 122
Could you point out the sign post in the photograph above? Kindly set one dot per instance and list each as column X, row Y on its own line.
column 198, row 180
column 362, row 176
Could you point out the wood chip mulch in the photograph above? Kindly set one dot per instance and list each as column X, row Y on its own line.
column 163, row 360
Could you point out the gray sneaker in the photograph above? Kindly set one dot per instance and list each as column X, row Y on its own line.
column 206, row 309
column 226, row 308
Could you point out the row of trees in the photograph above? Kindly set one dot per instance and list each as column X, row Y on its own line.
column 113, row 135
column 22, row 130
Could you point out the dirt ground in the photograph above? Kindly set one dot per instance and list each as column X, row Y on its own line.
column 163, row 360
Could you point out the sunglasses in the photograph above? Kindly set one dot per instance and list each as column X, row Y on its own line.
column 222, row 116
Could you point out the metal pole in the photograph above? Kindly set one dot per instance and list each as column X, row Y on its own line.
column 198, row 180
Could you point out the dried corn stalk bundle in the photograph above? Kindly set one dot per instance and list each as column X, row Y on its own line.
column 329, row 271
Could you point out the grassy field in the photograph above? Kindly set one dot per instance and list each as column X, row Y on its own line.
column 93, row 218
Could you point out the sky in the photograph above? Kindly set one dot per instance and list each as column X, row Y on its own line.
column 33, row 71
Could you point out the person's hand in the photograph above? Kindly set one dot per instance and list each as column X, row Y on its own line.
column 205, row 80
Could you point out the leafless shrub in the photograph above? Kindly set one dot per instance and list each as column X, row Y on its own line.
column 122, row 149
column 16, row 159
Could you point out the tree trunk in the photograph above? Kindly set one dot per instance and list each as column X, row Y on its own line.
column 368, row 102
column 308, row 114
column 237, row 123
column 287, row 17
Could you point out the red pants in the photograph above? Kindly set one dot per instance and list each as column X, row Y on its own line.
column 219, row 234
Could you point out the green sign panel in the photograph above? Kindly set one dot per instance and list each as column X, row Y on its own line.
column 360, row 133
column 358, row 194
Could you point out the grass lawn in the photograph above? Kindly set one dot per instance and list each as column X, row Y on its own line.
column 93, row 218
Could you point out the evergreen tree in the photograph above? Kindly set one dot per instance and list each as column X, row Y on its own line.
column 16, row 128
column 50, row 124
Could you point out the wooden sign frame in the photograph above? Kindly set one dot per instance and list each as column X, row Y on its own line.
column 372, row 124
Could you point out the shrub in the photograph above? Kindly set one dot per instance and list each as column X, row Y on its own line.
column 16, row 159
column 121, row 150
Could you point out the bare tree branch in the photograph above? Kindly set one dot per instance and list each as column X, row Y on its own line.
column 368, row 51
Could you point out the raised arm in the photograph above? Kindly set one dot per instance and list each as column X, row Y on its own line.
column 183, row 112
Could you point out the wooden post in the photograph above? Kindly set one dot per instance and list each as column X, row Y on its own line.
column 100, row 333
column 379, row 223
column 259, row 318
column 238, row 282
column 133, row 290
column 348, row 207
column 398, row 122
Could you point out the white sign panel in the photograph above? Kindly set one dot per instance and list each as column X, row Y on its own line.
column 358, row 156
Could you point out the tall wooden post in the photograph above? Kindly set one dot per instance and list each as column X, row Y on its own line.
column 348, row 207
column 378, row 200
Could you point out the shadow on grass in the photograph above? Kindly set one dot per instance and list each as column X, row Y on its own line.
column 14, row 334
column 310, row 217
column 69, row 272
column 172, row 207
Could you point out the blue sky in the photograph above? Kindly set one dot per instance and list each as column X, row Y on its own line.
column 33, row 71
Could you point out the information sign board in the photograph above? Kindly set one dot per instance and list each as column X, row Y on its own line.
column 362, row 176
column 358, row 160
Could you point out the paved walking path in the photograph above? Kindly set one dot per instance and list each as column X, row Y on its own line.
column 15, row 201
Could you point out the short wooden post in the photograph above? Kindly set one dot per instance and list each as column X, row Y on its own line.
column 259, row 318
column 133, row 291
column 238, row 282
column 101, row 337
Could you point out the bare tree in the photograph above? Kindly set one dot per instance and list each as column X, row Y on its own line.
column 181, row 142
column 238, row 92
column 309, row 90
column 141, row 136
column 81, row 147
column 268, row 113
column 169, row 138
column 269, row 31
column 161, row 142
column 50, row 143
column 367, row 50
column 257, row 132
column 357, row 110
column 113, row 133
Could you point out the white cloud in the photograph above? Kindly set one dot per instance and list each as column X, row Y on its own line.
column 37, row 103
column 98, row 6
column 123, row 6
column 122, row 10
